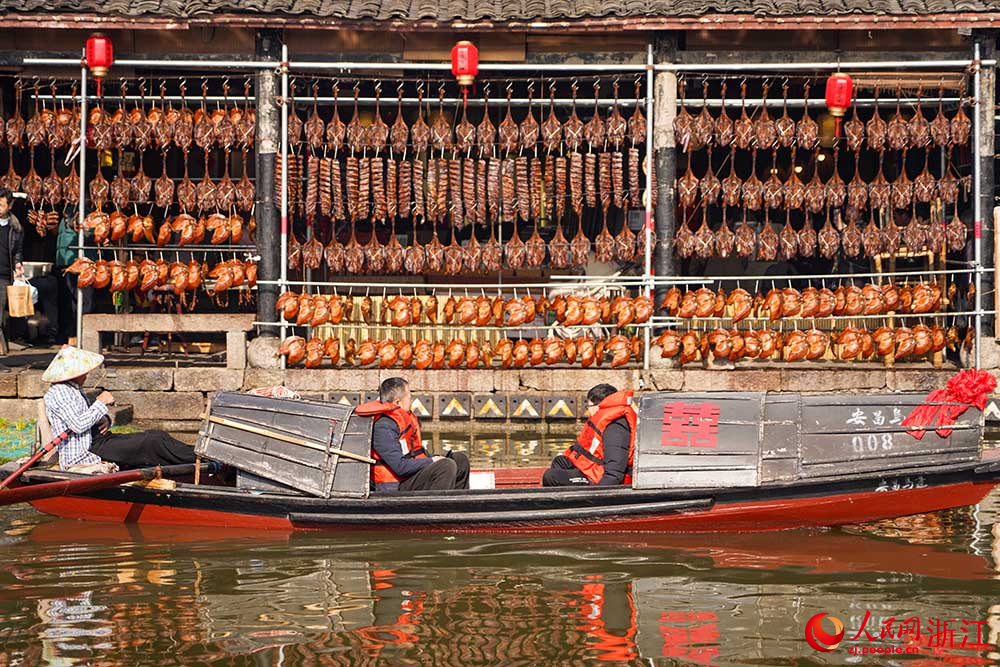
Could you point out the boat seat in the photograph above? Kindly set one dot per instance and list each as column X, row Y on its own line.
column 43, row 432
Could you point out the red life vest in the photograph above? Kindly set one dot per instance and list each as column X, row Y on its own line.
column 409, row 437
column 587, row 453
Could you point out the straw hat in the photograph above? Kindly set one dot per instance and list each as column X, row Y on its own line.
column 71, row 362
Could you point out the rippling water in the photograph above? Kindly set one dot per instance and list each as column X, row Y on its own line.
column 75, row 593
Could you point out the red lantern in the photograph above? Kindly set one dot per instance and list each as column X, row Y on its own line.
column 100, row 56
column 465, row 62
column 839, row 90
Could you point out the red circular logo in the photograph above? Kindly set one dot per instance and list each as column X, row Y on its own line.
column 820, row 639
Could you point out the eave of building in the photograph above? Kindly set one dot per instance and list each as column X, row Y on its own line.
column 607, row 24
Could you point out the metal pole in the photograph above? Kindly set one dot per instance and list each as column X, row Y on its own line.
column 82, row 205
column 483, row 67
column 816, row 102
column 978, row 209
column 647, row 227
column 824, row 66
column 284, row 178
column 268, row 44
column 164, row 64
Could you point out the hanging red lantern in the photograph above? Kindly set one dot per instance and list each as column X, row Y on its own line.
column 100, row 57
column 839, row 92
column 465, row 62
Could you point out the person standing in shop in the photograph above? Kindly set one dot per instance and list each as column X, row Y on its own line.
column 11, row 245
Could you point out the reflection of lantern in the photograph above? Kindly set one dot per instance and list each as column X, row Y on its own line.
column 100, row 56
column 839, row 89
column 465, row 62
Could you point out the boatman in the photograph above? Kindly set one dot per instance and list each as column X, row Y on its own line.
column 90, row 439
column 603, row 453
column 402, row 463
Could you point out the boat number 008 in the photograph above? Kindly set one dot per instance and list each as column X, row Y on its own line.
column 871, row 443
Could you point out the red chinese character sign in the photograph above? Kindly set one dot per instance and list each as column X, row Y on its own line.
column 690, row 425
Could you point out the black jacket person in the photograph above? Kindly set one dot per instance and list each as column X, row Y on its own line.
column 402, row 463
column 603, row 453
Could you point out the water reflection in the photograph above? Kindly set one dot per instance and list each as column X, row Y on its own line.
column 100, row 594
column 502, row 449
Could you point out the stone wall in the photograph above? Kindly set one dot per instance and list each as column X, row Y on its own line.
column 175, row 398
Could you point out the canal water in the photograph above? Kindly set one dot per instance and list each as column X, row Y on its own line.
column 924, row 588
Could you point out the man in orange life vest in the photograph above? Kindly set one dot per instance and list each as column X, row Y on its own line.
column 402, row 462
column 604, row 451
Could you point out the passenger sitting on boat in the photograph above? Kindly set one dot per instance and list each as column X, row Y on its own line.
column 402, row 462
column 604, row 451
column 90, row 438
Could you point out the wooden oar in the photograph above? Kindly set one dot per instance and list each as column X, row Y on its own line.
column 86, row 484
column 48, row 447
column 240, row 426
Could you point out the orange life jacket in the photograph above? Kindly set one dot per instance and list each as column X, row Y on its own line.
column 587, row 453
column 409, row 437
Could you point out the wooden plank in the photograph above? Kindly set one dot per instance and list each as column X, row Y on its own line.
column 904, row 463
column 780, row 440
column 656, row 462
column 352, row 477
column 270, row 467
column 779, row 470
column 700, row 479
column 781, row 408
column 822, row 448
column 825, row 418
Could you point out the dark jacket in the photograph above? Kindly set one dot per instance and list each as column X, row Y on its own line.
column 385, row 441
column 16, row 243
column 616, row 439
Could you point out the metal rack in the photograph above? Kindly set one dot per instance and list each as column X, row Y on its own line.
column 647, row 281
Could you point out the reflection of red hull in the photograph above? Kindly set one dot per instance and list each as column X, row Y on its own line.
column 802, row 507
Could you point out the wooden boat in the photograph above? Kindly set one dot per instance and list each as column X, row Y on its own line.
column 704, row 462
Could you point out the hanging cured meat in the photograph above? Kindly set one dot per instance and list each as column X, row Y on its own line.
column 851, row 237
column 876, row 128
column 703, row 125
column 807, row 131
column 956, row 233
column 871, row 238
column 315, row 128
column 765, row 130
column 807, row 238
column 725, row 239
column 687, row 186
column 753, row 189
column 773, row 188
column 723, row 124
column 854, row 131
column 616, row 126
column 897, row 130
column 919, row 128
column 829, row 239
column 710, row 185
column 767, row 240
column 785, row 126
column 441, row 137
column 746, row 240
column 961, row 126
column 682, row 121
column 879, row 190
column 794, row 189
column 704, row 239
column 835, row 190
column 336, row 130
column 902, row 188
column 788, row 241
column 551, row 127
column 743, row 128
column 857, row 189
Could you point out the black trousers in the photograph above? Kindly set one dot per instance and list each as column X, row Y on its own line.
column 448, row 473
column 139, row 450
column 563, row 473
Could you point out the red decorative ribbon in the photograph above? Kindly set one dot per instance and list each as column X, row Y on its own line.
column 942, row 407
